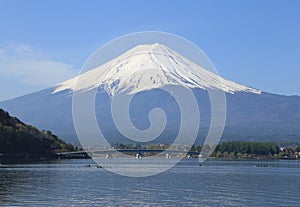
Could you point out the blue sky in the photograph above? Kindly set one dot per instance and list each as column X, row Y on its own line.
column 255, row 42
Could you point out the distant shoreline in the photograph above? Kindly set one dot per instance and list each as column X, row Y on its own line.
column 227, row 151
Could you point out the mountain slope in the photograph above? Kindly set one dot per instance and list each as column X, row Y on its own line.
column 147, row 67
column 19, row 139
column 252, row 115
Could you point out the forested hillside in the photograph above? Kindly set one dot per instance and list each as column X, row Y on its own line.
column 21, row 140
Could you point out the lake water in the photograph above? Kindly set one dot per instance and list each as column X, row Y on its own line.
column 216, row 183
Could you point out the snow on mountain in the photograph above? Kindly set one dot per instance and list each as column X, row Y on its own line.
column 147, row 67
column 252, row 115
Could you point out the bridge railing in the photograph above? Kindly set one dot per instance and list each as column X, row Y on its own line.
column 126, row 152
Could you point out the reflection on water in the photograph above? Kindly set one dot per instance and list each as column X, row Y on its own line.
column 216, row 183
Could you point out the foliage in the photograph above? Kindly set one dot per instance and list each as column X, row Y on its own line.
column 255, row 150
column 18, row 138
column 244, row 150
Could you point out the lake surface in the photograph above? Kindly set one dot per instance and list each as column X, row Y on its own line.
column 215, row 183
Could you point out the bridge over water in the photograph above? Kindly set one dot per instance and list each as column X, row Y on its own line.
column 139, row 153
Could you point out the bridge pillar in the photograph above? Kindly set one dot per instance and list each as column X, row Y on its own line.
column 108, row 156
column 138, row 156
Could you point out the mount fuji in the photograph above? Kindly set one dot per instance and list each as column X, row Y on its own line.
column 252, row 115
column 169, row 67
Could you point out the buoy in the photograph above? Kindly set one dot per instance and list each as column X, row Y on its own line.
column 138, row 156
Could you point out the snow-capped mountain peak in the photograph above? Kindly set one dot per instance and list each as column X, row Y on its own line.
column 147, row 67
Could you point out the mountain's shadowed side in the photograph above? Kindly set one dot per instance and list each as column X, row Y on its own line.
column 250, row 117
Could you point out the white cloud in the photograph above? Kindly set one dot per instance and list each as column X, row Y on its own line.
column 24, row 69
column 29, row 66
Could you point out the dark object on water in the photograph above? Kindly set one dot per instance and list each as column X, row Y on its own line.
column 261, row 165
column 96, row 166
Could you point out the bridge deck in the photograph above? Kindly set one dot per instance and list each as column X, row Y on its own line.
column 84, row 154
